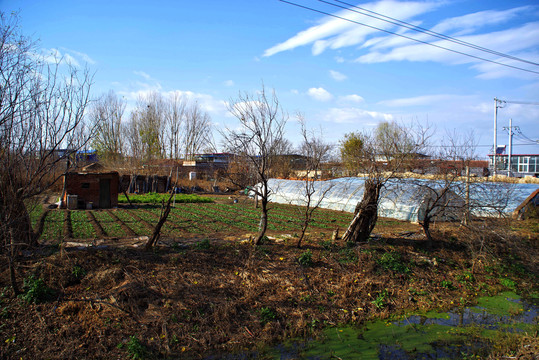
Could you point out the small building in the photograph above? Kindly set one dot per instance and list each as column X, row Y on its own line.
column 91, row 188
column 521, row 164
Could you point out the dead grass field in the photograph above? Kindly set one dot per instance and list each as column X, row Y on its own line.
column 212, row 293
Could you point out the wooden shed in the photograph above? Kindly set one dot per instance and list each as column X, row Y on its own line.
column 91, row 189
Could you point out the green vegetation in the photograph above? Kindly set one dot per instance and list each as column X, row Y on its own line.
column 266, row 315
column 136, row 350
column 393, row 261
column 35, row 290
column 157, row 198
column 109, row 225
column 203, row 244
column 82, row 228
column 54, row 224
column 306, row 258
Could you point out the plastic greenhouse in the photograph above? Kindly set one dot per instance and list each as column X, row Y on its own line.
column 406, row 199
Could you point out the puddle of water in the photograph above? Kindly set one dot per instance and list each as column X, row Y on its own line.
column 420, row 336
column 426, row 336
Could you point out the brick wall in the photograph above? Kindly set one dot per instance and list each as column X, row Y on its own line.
column 86, row 187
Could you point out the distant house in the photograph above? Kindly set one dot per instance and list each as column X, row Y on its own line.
column 208, row 164
column 92, row 187
column 521, row 164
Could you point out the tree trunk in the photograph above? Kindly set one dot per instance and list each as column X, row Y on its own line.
column 366, row 214
column 426, row 228
column 263, row 222
column 157, row 230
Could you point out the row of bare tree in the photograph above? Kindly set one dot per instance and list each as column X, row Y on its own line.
column 173, row 126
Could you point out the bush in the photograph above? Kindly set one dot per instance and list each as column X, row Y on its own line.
column 306, row 258
column 135, row 348
column 266, row 315
column 393, row 261
column 203, row 244
column 35, row 290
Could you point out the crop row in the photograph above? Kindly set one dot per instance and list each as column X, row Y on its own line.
column 195, row 218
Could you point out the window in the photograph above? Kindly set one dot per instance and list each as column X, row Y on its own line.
column 533, row 166
column 523, row 163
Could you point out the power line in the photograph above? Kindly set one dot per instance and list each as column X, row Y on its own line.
column 420, row 29
column 407, row 37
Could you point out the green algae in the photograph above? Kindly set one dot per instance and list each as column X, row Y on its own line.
column 448, row 335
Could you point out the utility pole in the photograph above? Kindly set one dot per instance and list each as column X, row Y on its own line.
column 494, row 154
column 511, row 132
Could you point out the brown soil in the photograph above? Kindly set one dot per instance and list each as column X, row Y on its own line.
column 188, row 299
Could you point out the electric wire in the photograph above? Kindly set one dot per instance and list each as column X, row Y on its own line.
column 420, row 29
column 408, row 37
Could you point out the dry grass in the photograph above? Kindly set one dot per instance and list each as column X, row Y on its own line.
column 183, row 302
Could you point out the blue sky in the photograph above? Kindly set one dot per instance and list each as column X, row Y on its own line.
column 343, row 76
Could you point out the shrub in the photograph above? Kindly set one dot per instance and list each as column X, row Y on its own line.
column 306, row 258
column 203, row 244
column 393, row 261
column 35, row 290
column 380, row 301
column 135, row 348
column 266, row 315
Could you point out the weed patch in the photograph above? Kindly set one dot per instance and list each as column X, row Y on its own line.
column 35, row 290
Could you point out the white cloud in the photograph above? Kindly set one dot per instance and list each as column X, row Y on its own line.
column 65, row 56
column 337, row 76
column 355, row 116
column 352, row 98
column 337, row 33
column 84, row 57
column 319, row 94
column 229, row 83
column 142, row 74
column 470, row 22
column 420, row 100
column 378, row 47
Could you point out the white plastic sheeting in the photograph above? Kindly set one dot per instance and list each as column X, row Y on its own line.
column 404, row 199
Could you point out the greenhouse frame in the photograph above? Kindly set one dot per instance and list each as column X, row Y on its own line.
column 408, row 199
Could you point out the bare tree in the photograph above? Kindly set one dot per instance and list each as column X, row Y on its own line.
column 41, row 110
column 446, row 197
column 148, row 120
column 315, row 151
column 197, row 130
column 378, row 156
column 106, row 115
column 262, row 123
column 175, row 115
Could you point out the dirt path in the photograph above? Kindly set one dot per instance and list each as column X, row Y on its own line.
column 97, row 226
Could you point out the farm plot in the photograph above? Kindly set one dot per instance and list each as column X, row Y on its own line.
column 322, row 219
column 187, row 218
column 110, row 226
column 150, row 215
column 81, row 226
column 131, row 222
column 53, row 227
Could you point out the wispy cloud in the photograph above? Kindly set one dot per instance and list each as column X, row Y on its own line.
column 142, row 74
column 337, row 33
column 352, row 115
column 421, row 100
column 337, row 76
column 83, row 56
column 319, row 94
column 471, row 22
column 228, row 83
column 374, row 46
column 353, row 98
